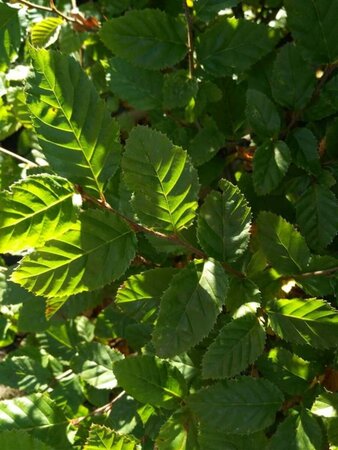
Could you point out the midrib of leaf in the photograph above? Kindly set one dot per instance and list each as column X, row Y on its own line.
column 288, row 252
column 69, row 261
column 52, row 89
column 40, row 211
column 321, row 27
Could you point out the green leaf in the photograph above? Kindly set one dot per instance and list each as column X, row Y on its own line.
column 21, row 440
column 238, row 344
column 312, row 24
column 224, row 221
column 189, row 307
column 34, row 210
column 326, row 104
column 103, row 438
column 46, row 32
column 178, row 432
column 207, row 9
column 151, row 380
column 326, row 405
column 284, row 247
column 305, row 321
column 94, row 364
column 178, row 89
column 24, row 373
column 286, row 370
column 148, row 38
column 139, row 296
column 317, row 216
column 9, row 35
column 164, row 182
column 232, row 45
column 298, row 431
column 240, row 406
column 270, row 163
column 262, row 114
column 38, row 414
column 205, row 144
column 94, row 252
column 76, row 133
column 140, row 87
column 241, row 291
column 212, row 439
column 304, row 150
column 293, row 80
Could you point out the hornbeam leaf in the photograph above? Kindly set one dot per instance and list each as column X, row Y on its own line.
column 240, row 406
column 305, row 321
column 296, row 432
column 33, row 211
column 45, row 32
column 317, row 215
column 189, row 307
column 94, row 252
column 216, row 440
column 270, row 163
column 151, row 380
column 139, row 296
column 283, row 245
column 10, row 38
column 178, row 432
column 232, row 45
column 21, row 440
column 148, row 38
column 262, row 114
column 312, row 24
column 164, row 182
column 224, row 223
column 103, row 438
column 238, row 344
column 37, row 414
column 94, row 364
column 74, row 128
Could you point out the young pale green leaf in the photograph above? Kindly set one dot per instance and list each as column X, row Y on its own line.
column 270, row 163
column 223, row 228
column 151, row 380
column 304, row 150
column 232, row 45
column 240, row 406
column 94, row 363
column 37, row 414
column 178, row 432
column 262, row 114
column 284, row 247
column 296, row 432
column 189, row 307
column 326, row 405
column 46, row 32
column 103, row 438
column 21, row 440
column 293, row 80
column 10, row 36
column 36, row 209
column 76, row 133
column 312, row 24
column 141, row 88
column 139, row 296
column 317, row 216
column 305, row 321
column 238, row 344
column 164, row 182
column 95, row 251
column 148, row 38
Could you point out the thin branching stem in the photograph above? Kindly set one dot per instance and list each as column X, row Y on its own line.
column 52, row 9
column 190, row 39
column 18, row 157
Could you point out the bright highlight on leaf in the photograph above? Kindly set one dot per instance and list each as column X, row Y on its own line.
column 35, row 210
column 163, row 181
column 95, row 251
column 72, row 122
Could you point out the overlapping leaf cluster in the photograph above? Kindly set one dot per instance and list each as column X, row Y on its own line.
column 169, row 254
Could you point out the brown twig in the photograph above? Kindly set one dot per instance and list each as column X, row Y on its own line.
column 317, row 273
column 51, row 8
column 190, row 39
column 175, row 238
column 18, row 157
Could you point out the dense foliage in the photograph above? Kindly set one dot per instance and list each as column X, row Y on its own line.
column 168, row 221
